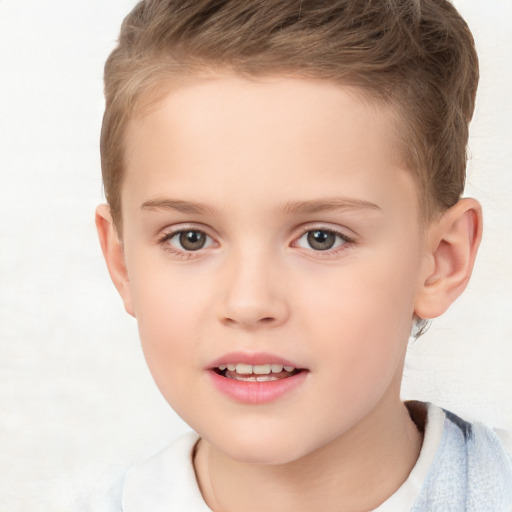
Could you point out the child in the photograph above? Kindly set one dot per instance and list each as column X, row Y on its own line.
column 284, row 185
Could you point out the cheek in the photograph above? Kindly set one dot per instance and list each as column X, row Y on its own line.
column 171, row 316
column 168, row 299
column 363, row 315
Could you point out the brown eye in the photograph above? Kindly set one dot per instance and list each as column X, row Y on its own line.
column 192, row 240
column 321, row 240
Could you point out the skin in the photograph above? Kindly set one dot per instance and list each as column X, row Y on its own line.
column 249, row 153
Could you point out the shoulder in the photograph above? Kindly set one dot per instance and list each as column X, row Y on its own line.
column 472, row 468
column 166, row 481
column 505, row 436
column 480, row 442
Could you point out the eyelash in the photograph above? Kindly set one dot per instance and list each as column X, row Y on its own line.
column 180, row 254
column 347, row 241
column 187, row 254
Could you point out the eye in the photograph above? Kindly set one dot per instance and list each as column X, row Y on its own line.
column 188, row 240
column 321, row 240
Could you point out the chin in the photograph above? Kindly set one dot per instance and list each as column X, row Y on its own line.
column 262, row 448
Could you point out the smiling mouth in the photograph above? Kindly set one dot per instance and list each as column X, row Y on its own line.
column 257, row 372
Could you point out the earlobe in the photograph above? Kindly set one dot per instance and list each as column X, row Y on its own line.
column 113, row 252
column 453, row 242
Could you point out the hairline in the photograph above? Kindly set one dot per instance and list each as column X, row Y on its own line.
column 151, row 95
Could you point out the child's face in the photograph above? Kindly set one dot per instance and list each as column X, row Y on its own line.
column 270, row 222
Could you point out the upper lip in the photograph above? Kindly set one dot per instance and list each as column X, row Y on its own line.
column 254, row 358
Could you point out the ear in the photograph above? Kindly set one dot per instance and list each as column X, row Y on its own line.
column 113, row 251
column 452, row 244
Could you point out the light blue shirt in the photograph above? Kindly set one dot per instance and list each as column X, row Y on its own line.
column 462, row 467
column 471, row 471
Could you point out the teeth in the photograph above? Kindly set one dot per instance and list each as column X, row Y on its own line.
column 240, row 377
column 261, row 369
column 243, row 369
column 252, row 378
column 266, row 378
column 257, row 369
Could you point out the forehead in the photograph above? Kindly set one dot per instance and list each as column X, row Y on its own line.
column 297, row 131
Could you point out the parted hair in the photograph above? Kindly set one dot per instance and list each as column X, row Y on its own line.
column 416, row 55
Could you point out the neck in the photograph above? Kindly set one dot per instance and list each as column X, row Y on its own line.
column 337, row 475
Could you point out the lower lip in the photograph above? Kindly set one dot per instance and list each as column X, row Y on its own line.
column 257, row 392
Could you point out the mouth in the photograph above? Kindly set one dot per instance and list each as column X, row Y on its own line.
column 256, row 378
column 256, row 372
column 252, row 379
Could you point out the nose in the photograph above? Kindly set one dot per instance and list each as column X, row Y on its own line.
column 254, row 293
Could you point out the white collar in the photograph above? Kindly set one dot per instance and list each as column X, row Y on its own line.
column 166, row 482
column 405, row 496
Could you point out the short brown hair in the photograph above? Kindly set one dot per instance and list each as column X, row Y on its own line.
column 417, row 55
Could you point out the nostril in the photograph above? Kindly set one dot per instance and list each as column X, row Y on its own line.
column 264, row 312
column 267, row 320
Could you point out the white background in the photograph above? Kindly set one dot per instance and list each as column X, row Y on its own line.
column 77, row 403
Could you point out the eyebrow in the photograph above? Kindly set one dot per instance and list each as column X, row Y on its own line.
column 327, row 204
column 290, row 208
column 177, row 205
